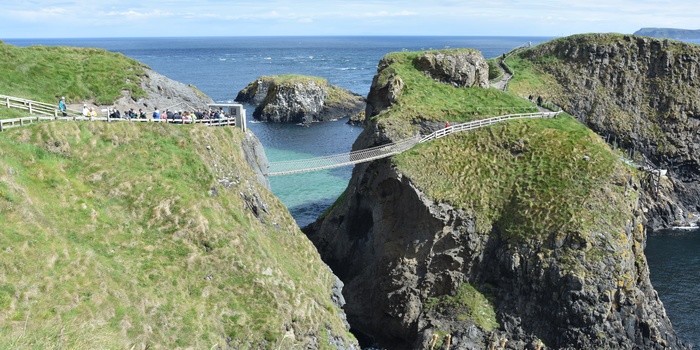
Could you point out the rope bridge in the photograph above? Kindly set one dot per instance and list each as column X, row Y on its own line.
column 390, row 149
column 284, row 167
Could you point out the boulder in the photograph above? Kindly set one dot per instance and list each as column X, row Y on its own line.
column 461, row 68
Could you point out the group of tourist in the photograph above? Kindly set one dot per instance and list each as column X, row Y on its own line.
column 187, row 116
column 183, row 117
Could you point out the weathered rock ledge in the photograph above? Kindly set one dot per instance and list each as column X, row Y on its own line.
column 163, row 93
column 299, row 99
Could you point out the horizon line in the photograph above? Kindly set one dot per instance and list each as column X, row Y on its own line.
column 294, row 36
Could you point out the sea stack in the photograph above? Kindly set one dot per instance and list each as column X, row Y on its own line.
column 300, row 99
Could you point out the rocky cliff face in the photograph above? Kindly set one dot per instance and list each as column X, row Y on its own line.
column 423, row 273
column 642, row 95
column 299, row 99
column 164, row 93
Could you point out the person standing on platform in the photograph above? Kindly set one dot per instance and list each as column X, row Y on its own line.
column 62, row 106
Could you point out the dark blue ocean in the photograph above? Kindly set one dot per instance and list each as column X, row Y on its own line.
column 222, row 66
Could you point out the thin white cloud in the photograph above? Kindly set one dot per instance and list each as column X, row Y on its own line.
column 387, row 14
column 135, row 15
column 38, row 15
column 47, row 18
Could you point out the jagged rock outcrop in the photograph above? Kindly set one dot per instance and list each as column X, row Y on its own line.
column 466, row 69
column 459, row 68
column 164, row 93
column 299, row 99
column 421, row 272
column 641, row 94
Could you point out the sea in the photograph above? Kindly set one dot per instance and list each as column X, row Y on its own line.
column 222, row 66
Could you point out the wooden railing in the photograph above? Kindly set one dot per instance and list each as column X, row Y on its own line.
column 34, row 107
column 16, row 122
column 48, row 112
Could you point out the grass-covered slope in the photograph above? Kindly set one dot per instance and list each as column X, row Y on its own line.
column 530, row 178
column 45, row 73
column 120, row 236
column 639, row 93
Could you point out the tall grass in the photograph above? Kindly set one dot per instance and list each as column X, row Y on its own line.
column 117, row 235
column 529, row 178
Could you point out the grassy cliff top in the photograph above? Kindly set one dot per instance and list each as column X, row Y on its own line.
column 423, row 98
column 118, row 236
column 528, row 178
column 287, row 79
column 46, row 73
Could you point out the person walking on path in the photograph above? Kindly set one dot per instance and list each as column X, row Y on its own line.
column 62, row 106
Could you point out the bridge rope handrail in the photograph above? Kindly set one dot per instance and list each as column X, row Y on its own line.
column 339, row 160
column 390, row 149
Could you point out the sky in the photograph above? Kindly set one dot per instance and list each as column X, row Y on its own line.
column 176, row 18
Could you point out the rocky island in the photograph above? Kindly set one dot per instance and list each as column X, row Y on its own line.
column 525, row 234
column 669, row 33
column 300, row 99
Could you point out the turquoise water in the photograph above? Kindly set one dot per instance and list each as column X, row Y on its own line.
column 307, row 195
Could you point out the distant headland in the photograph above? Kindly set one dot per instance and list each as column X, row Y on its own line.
column 670, row 33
